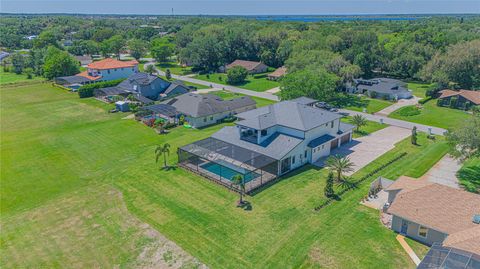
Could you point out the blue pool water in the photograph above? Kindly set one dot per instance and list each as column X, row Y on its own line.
column 228, row 173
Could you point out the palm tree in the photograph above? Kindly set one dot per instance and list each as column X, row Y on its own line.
column 238, row 180
column 340, row 165
column 150, row 69
column 162, row 150
column 359, row 121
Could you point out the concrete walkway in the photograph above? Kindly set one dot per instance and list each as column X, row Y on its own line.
column 264, row 95
column 273, row 90
column 398, row 123
column 399, row 104
column 444, row 172
column 366, row 149
column 401, row 239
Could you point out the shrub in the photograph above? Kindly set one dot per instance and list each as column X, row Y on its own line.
column 236, row 75
column 409, row 111
column 373, row 94
column 169, row 125
column 229, row 119
column 424, row 100
column 88, row 90
column 453, row 102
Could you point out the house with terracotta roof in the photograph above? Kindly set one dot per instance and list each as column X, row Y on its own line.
column 103, row 70
column 462, row 99
column 278, row 73
column 251, row 66
column 432, row 213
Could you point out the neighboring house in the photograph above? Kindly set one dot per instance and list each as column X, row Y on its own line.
column 433, row 213
column 266, row 143
column 3, row 55
column 84, row 60
column 144, row 86
column 386, row 88
column 252, row 67
column 202, row 110
column 67, row 43
column 462, row 99
column 103, row 70
column 278, row 73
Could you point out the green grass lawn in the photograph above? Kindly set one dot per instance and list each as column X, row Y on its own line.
column 230, row 95
column 198, row 86
column 258, row 82
column 69, row 168
column 419, row 248
column 356, row 103
column 367, row 129
column 419, row 89
column 10, row 77
column 431, row 114
column 469, row 175
column 175, row 68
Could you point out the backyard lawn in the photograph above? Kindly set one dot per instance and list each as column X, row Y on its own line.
column 431, row 114
column 11, row 77
column 175, row 68
column 258, row 82
column 79, row 184
column 371, row 127
column 357, row 103
column 230, row 95
column 469, row 175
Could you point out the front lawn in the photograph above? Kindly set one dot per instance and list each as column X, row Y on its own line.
column 431, row 114
column 419, row 89
column 69, row 168
column 359, row 103
column 230, row 95
column 469, row 175
column 175, row 68
column 371, row 127
column 258, row 82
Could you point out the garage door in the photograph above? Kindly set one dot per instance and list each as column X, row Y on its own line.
column 334, row 144
column 345, row 139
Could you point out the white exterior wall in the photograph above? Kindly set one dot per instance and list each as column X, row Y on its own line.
column 213, row 119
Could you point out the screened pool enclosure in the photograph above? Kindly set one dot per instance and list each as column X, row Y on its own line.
column 220, row 161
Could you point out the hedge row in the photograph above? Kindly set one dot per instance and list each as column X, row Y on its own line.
column 88, row 90
column 365, row 177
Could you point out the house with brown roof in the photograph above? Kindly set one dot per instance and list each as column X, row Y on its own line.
column 251, row 66
column 278, row 73
column 462, row 99
column 103, row 70
column 433, row 213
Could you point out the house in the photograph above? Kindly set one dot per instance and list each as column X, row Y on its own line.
column 103, row 70
column 278, row 73
column 433, row 213
column 266, row 143
column 386, row 88
column 84, row 60
column 252, row 67
column 3, row 55
column 202, row 110
column 463, row 99
column 146, row 87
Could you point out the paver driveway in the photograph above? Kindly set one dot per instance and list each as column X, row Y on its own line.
column 363, row 150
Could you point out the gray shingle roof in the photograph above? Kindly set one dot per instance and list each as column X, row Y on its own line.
column 287, row 113
column 72, row 79
column 277, row 147
column 200, row 105
column 304, row 100
column 320, row 140
column 140, row 78
column 382, row 85
column 164, row 109
column 174, row 85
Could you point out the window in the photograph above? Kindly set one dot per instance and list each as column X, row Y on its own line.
column 108, row 71
column 115, row 69
column 293, row 159
column 204, row 119
column 305, row 154
column 422, row 231
column 263, row 132
column 323, row 146
column 331, row 126
column 211, row 118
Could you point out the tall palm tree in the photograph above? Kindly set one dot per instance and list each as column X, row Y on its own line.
column 359, row 121
column 340, row 165
column 162, row 150
column 238, row 180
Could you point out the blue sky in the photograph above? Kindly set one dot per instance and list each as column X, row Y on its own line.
column 243, row 7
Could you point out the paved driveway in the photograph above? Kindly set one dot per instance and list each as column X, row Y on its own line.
column 444, row 172
column 399, row 104
column 364, row 150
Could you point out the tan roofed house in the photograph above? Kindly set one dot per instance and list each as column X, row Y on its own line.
column 278, row 73
column 464, row 98
column 251, row 66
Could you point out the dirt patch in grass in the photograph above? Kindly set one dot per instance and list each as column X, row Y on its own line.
column 319, row 257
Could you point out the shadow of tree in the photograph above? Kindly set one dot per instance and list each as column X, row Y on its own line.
column 349, row 100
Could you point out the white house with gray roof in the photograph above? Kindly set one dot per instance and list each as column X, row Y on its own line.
column 388, row 88
column 293, row 132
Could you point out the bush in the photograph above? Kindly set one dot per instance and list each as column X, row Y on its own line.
column 229, row 119
column 236, row 75
column 409, row 111
column 424, row 100
column 88, row 90
column 372, row 94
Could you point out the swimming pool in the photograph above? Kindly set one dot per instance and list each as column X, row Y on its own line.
column 230, row 171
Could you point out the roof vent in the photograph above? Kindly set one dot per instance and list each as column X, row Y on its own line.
column 476, row 219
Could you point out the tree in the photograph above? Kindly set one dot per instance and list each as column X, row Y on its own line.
column 236, row 75
column 359, row 121
column 150, row 69
column 168, row 74
column 465, row 140
column 59, row 63
column 414, row 135
column 45, row 39
column 113, row 45
column 328, row 190
column 161, row 49
column 29, row 72
column 137, row 48
column 18, row 63
column 162, row 150
column 84, row 47
column 240, row 183
column 315, row 83
column 339, row 165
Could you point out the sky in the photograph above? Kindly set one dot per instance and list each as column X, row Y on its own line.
column 241, row 7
